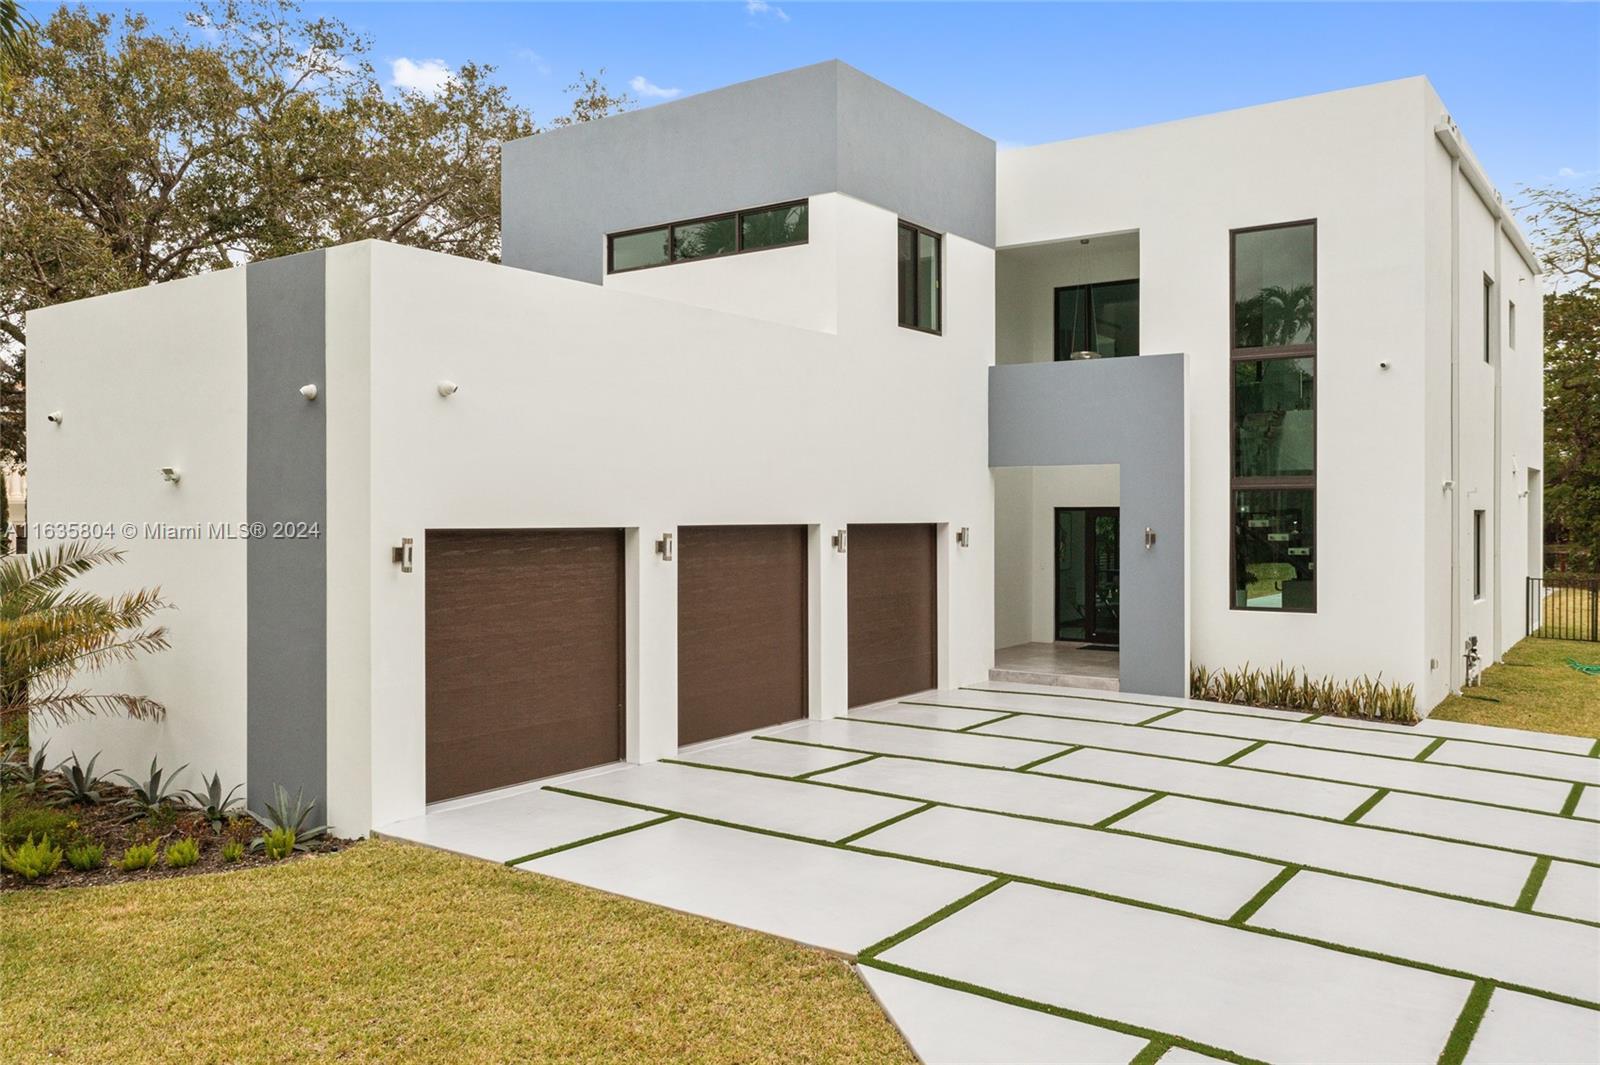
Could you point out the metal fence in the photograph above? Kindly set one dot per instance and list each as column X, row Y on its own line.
column 1559, row 607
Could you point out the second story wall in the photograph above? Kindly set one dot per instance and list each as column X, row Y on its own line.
column 819, row 129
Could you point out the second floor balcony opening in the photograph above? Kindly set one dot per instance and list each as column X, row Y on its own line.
column 1069, row 299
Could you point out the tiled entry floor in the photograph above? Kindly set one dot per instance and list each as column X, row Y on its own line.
column 1041, row 874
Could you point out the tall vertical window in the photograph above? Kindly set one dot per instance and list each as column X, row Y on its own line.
column 1511, row 325
column 1488, row 318
column 920, row 278
column 1102, row 318
column 1273, row 348
column 1477, row 553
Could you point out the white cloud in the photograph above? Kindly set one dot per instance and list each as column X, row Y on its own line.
column 761, row 7
column 427, row 76
column 537, row 61
column 650, row 90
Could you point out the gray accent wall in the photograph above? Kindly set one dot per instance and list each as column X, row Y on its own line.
column 286, row 576
column 1129, row 412
column 819, row 129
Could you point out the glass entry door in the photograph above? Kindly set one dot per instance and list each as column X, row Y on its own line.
column 1087, row 591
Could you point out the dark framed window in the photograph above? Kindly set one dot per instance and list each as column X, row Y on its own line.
column 774, row 226
column 919, row 263
column 1273, row 422
column 1102, row 318
column 1488, row 319
column 1477, row 553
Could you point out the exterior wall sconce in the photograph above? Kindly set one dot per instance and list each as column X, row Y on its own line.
column 447, row 388
column 404, row 556
column 54, row 417
column 170, row 474
column 309, row 391
column 841, row 541
column 664, row 547
column 964, row 537
column 1149, row 538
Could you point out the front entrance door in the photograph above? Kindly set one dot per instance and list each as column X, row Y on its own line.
column 1086, row 574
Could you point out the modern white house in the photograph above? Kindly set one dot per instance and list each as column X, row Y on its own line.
column 798, row 395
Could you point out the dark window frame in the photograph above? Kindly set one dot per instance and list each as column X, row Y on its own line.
column 916, row 288
column 1480, row 521
column 737, row 217
column 1237, row 355
column 1055, row 317
column 1488, row 320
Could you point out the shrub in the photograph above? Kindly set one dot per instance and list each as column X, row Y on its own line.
column 138, row 856
column 1283, row 688
column 79, row 784
column 279, row 843
column 86, row 856
column 31, row 860
column 23, row 773
column 182, row 853
column 290, row 815
column 232, row 851
column 212, row 803
column 154, row 792
column 22, row 820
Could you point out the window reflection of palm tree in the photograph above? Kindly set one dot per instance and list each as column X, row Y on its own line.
column 1277, row 316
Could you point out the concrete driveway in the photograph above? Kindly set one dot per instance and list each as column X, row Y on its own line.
column 1041, row 874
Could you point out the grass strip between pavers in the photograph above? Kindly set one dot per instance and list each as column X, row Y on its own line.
column 1466, row 1026
column 896, row 819
column 1146, row 790
column 1422, row 755
column 1366, row 807
column 933, row 918
column 1037, row 762
column 1107, row 822
column 1004, row 716
column 1311, row 719
column 1594, row 752
column 1072, row 889
column 809, row 773
column 1236, row 755
column 1259, row 899
column 1530, row 890
column 1158, row 717
column 1167, row 1039
column 1151, row 1053
column 588, row 839
column 1570, row 807
column 1179, row 758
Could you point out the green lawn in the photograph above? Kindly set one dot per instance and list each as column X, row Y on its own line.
column 1534, row 689
column 388, row 952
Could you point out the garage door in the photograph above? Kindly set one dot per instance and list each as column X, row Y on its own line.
column 741, row 628
column 524, row 655
column 893, row 614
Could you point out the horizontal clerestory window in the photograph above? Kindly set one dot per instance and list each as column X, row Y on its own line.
column 775, row 226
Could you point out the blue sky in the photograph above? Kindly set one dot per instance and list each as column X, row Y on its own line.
column 1522, row 79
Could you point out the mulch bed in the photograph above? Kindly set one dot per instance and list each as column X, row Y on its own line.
column 108, row 823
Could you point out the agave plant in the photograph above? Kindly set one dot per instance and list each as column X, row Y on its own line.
column 23, row 772
column 154, row 792
column 284, row 814
column 212, row 803
column 51, row 635
column 79, row 785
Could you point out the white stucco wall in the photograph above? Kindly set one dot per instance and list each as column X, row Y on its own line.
column 583, row 405
column 1353, row 161
column 144, row 379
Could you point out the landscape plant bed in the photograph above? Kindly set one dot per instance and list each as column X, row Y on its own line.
column 116, row 822
column 1285, row 688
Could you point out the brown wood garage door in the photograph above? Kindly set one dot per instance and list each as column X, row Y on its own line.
column 524, row 655
column 741, row 628
column 893, row 612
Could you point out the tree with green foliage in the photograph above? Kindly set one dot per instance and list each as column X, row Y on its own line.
column 1566, row 229
column 130, row 156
